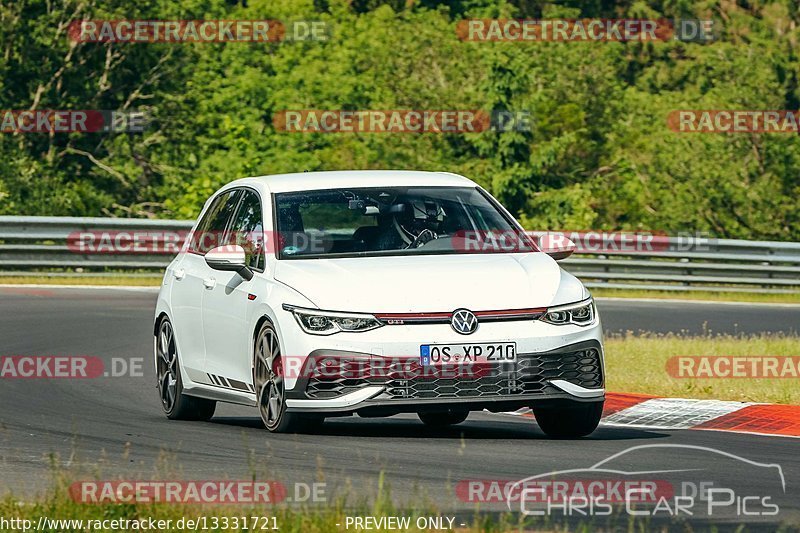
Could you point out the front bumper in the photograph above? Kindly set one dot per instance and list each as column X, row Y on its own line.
column 566, row 374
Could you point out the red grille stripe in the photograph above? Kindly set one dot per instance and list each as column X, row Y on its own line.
column 448, row 315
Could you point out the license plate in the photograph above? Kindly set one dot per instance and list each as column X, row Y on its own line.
column 448, row 354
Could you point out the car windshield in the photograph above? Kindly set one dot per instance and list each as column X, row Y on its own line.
column 393, row 221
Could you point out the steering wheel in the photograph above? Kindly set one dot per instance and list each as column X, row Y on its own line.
column 425, row 236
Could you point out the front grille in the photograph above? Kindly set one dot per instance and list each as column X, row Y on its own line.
column 408, row 380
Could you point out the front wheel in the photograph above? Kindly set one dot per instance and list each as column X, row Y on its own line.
column 176, row 405
column 270, row 386
column 570, row 422
column 443, row 418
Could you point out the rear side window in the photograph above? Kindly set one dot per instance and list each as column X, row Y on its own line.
column 211, row 228
column 247, row 230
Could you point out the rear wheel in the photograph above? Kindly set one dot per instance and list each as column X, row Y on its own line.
column 443, row 418
column 577, row 420
column 270, row 387
column 176, row 405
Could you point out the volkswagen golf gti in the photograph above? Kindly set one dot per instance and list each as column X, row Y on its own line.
column 327, row 294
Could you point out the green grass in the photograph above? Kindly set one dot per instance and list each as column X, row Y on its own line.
column 131, row 281
column 754, row 297
column 637, row 363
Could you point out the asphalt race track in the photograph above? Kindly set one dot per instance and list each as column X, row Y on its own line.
column 111, row 427
column 697, row 318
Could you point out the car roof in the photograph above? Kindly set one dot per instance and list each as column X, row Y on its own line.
column 308, row 181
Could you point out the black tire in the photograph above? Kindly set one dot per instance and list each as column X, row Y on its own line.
column 443, row 418
column 176, row 405
column 571, row 422
column 268, row 380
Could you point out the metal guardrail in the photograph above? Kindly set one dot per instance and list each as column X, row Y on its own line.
column 46, row 246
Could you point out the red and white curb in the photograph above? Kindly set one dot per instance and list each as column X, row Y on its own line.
column 644, row 411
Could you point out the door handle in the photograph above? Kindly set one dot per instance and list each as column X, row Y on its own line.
column 209, row 283
column 179, row 274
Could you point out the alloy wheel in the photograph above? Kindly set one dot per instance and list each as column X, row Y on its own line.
column 167, row 366
column 269, row 378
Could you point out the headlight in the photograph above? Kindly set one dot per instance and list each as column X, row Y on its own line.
column 318, row 322
column 580, row 313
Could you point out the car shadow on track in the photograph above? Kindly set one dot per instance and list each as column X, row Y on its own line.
column 410, row 428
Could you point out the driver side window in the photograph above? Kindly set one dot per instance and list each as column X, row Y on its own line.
column 247, row 230
column 210, row 229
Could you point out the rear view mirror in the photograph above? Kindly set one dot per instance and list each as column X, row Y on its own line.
column 229, row 258
column 556, row 246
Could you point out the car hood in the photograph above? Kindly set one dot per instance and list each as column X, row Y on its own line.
column 397, row 284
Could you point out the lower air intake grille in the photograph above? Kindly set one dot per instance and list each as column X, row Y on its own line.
column 408, row 380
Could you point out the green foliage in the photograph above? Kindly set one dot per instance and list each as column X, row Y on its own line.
column 599, row 155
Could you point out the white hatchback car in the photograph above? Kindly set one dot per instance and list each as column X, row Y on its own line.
column 327, row 294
